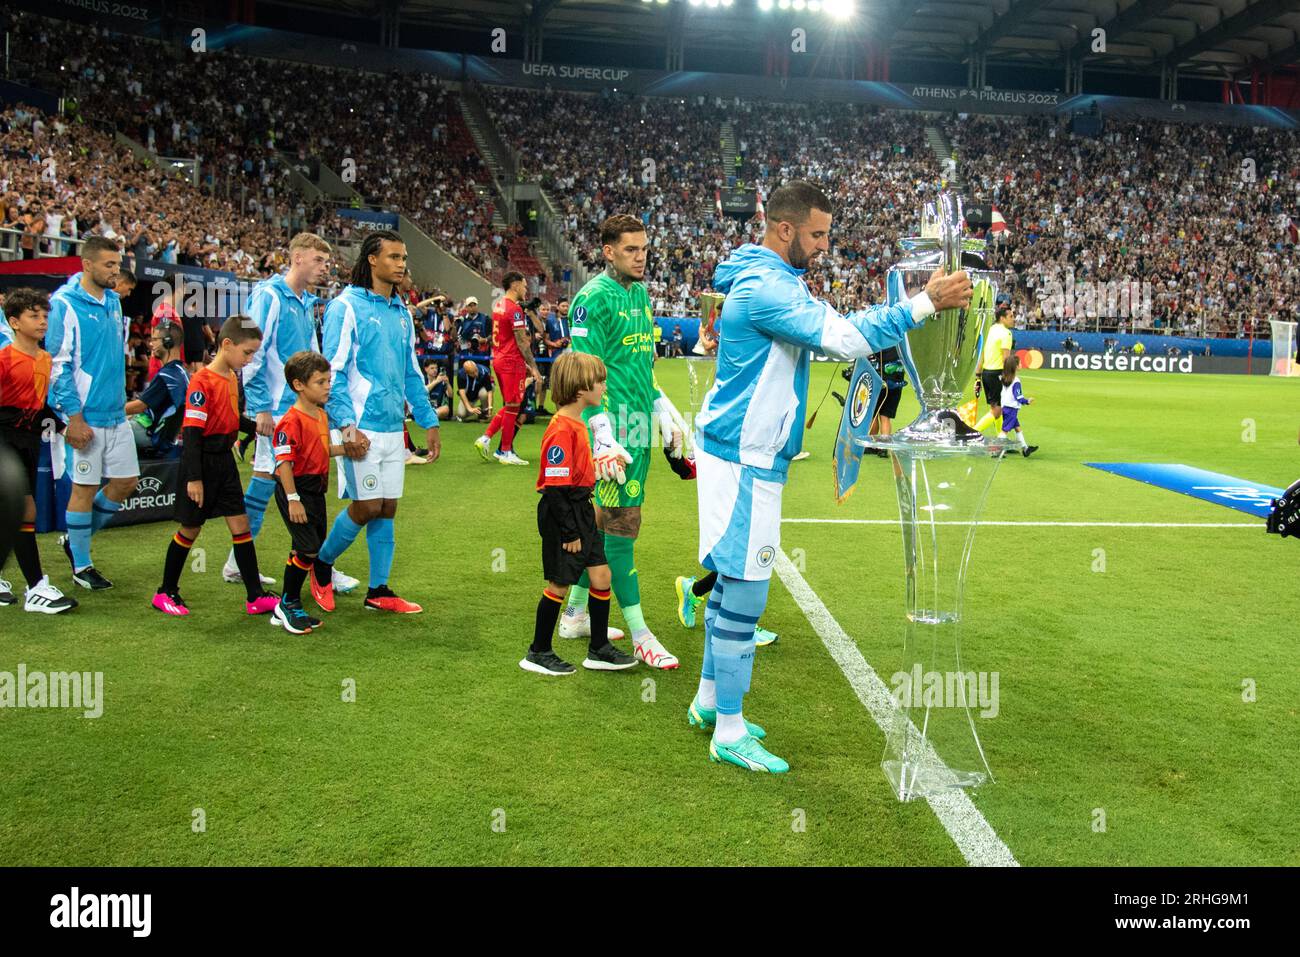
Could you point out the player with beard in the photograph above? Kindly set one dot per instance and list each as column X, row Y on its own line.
column 750, row 430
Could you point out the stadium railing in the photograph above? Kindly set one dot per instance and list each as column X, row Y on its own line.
column 11, row 241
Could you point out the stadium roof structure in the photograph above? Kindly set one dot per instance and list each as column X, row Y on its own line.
column 1213, row 39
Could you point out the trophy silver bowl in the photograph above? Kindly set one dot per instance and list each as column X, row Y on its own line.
column 942, row 353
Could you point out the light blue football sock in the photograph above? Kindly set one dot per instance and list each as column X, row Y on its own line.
column 256, row 499
column 343, row 533
column 102, row 509
column 733, row 639
column 379, row 539
column 80, row 528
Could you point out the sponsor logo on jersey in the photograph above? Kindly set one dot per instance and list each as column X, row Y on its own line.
column 555, row 455
column 198, row 398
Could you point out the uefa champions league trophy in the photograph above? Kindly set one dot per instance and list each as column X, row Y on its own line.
column 942, row 470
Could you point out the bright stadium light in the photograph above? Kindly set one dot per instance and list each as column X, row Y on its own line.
column 783, row 4
column 799, row 4
column 815, row 6
column 839, row 9
column 711, row 3
column 726, row 3
column 765, row 5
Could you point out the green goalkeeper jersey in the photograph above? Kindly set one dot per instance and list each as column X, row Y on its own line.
column 617, row 325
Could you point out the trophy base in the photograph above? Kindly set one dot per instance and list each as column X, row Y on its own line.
column 942, row 425
column 910, row 780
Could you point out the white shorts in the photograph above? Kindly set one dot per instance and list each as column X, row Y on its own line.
column 110, row 455
column 380, row 474
column 740, row 517
column 264, row 457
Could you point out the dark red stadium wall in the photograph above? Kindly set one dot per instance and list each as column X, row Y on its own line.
column 1280, row 88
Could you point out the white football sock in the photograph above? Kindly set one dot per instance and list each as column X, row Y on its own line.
column 730, row 728
column 1020, row 437
column 708, row 693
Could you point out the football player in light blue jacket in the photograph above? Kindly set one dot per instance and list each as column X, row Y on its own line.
column 283, row 309
column 88, row 389
column 370, row 343
column 751, row 427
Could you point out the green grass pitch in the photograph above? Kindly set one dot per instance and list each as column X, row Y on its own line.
column 1121, row 690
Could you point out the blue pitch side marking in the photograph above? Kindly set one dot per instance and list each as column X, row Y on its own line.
column 1240, row 494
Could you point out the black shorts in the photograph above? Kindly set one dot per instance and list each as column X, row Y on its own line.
column 223, row 491
column 991, row 386
column 28, row 452
column 559, row 566
column 306, row 537
column 196, row 346
column 887, row 404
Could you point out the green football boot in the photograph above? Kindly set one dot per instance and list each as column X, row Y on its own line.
column 747, row 753
column 687, row 603
column 763, row 637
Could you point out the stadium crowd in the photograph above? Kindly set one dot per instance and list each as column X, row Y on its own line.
column 1175, row 205
column 1167, row 206
column 248, row 126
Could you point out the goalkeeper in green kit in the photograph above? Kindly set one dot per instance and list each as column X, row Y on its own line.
column 611, row 318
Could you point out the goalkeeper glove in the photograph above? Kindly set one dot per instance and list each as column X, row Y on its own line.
column 608, row 457
column 684, row 467
column 671, row 427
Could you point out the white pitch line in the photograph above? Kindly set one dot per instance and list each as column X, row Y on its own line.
column 893, row 521
column 974, row 836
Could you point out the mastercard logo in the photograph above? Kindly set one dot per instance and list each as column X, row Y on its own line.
column 1030, row 358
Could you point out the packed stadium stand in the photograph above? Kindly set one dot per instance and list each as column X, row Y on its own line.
column 1163, row 204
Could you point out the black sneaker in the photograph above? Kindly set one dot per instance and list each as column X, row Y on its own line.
column 1028, row 450
column 608, row 658
column 89, row 578
column 546, row 663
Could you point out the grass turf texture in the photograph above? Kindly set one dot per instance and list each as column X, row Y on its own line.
column 1120, row 690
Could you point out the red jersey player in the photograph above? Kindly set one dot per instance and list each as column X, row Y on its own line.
column 512, row 361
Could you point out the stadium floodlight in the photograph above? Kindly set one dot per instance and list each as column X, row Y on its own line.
column 765, row 5
column 815, row 6
column 726, row 3
column 799, row 4
column 711, row 3
column 839, row 9
column 783, row 4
